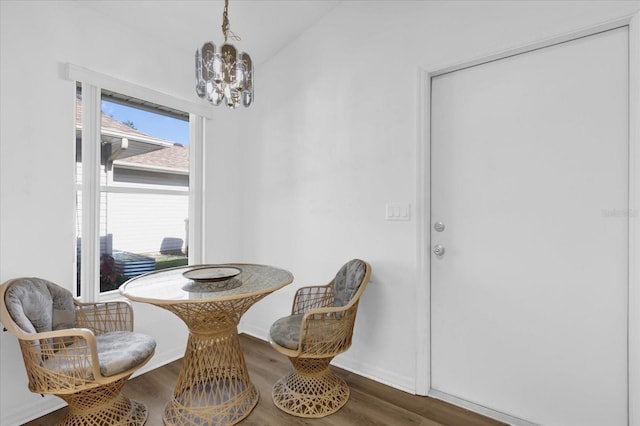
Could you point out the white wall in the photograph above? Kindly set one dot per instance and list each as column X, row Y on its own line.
column 37, row 231
column 332, row 138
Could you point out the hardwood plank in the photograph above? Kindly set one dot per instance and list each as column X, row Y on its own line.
column 370, row 403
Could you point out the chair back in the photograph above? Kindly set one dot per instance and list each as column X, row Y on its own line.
column 36, row 305
column 348, row 281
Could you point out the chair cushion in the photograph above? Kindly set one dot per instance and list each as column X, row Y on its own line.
column 118, row 351
column 347, row 281
column 38, row 305
column 286, row 331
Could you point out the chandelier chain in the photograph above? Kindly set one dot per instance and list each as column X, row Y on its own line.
column 226, row 28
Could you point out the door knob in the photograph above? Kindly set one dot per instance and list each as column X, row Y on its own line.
column 438, row 226
column 438, row 250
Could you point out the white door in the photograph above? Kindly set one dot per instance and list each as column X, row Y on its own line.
column 529, row 176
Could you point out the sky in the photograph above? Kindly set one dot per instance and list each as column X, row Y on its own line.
column 157, row 125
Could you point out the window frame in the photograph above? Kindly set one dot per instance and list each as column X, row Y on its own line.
column 92, row 84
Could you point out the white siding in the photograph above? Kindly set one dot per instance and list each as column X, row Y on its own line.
column 140, row 222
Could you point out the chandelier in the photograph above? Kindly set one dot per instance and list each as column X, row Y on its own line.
column 224, row 75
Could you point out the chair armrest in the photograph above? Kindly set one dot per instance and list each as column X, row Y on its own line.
column 327, row 331
column 63, row 333
column 312, row 297
column 62, row 358
column 105, row 317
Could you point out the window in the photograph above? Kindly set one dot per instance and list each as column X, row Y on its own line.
column 133, row 188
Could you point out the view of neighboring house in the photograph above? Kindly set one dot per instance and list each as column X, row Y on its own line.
column 144, row 200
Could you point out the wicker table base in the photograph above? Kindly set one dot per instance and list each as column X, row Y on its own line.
column 213, row 386
column 103, row 405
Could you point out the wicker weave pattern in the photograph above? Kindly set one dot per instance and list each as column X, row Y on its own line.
column 312, row 297
column 213, row 386
column 104, row 405
column 208, row 317
column 52, row 368
column 327, row 334
column 72, row 373
column 104, row 317
column 311, row 389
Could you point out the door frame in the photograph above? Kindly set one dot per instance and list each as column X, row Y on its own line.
column 423, row 218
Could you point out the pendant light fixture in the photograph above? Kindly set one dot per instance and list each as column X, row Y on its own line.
column 224, row 75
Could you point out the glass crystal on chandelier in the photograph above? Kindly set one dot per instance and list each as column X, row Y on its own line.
column 224, row 76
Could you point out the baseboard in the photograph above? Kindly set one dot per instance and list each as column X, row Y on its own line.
column 487, row 412
column 380, row 375
column 352, row 364
column 257, row 332
column 38, row 408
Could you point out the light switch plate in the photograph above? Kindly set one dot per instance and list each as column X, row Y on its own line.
column 398, row 211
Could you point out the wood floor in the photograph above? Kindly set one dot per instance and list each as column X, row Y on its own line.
column 370, row 403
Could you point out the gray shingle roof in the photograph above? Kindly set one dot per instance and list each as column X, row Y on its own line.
column 174, row 157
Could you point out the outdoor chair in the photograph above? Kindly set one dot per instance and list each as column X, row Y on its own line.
column 81, row 352
column 319, row 328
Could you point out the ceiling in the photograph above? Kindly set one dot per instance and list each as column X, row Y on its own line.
column 265, row 26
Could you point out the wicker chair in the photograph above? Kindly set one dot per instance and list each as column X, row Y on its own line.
column 319, row 328
column 81, row 352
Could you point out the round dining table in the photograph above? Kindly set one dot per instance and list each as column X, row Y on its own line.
column 213, row 386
